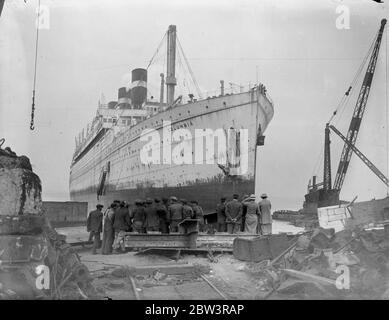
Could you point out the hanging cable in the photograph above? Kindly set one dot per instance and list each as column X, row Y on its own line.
column 345, row 98
column 185, row 84
column 386, row 105
column 156, row 52
column 319, row 160
column 32, row 126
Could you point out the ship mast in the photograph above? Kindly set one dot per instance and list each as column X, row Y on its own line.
column 171, row 80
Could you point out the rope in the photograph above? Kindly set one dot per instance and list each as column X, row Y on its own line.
column 32, row 126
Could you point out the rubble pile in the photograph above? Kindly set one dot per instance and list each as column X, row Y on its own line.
column 35, row 261
column 350, row 264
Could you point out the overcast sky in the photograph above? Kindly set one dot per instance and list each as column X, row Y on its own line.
column 303, row 59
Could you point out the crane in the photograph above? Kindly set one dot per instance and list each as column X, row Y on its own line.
column 359, row 110
column 365, row 160
column 324, row 194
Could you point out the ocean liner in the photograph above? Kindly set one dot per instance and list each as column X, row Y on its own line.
column 109, row 159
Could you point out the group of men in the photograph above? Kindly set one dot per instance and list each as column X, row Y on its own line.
column 244, row 216
column 162, row 215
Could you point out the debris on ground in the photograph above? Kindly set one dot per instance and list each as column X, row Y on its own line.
column 350, row 264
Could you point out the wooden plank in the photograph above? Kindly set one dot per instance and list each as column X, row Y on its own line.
column 310, row 277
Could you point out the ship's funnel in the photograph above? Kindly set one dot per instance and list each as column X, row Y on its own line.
column 138, row 87
column 112, row 104
column 123, row 98
column 122, row 93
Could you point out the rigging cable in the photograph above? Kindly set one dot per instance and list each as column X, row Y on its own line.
column 318, row 163
column 185, row 83
column 190, row 70
column 32, row 127
column 156, row 52
column 343, row 102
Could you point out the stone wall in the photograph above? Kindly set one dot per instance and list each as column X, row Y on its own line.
column 65, row 213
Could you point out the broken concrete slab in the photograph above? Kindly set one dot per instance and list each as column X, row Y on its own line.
column 260, row 248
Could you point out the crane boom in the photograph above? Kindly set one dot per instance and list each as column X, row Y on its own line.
column 358, row 113
column 365, row 160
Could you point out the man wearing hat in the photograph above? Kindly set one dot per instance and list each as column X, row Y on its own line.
column 174, row 214
column 108, row 232
column 139, row 217
column 252, row 213
column 152, row 219
column 94, row 225
column 234, row 214
column 244, row 211
column 221, row 215
column 198, row 214
column 265, row 221
column 121, row 224
column 162, row 215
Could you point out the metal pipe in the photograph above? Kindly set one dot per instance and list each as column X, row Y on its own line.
column 137, row 297
column 162, row 89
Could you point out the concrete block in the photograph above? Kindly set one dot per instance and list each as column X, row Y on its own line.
column 260, row 248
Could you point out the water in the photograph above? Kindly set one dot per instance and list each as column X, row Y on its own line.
column 285, row 226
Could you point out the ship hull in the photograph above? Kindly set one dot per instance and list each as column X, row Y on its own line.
column 208, row 194
column 130, row 178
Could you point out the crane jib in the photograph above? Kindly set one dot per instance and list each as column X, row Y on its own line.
column 365, row 160
column 359, row 110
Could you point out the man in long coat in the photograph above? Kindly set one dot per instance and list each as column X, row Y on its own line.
column 265, row 215
column 234, row 214
column 108, row 232
column 252, row 213
column 221, row 215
